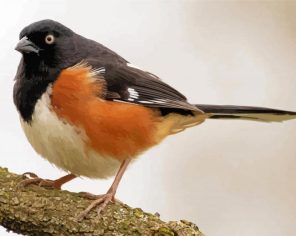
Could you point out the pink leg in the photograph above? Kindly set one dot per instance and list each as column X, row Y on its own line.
column 57, row 184
column 103, row 200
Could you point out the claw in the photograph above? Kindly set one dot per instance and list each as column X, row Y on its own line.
column 39, row 181
column 31, row 178
column 29, row 175
column 101, row 202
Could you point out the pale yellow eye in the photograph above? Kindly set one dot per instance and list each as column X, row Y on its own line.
column 49, row 39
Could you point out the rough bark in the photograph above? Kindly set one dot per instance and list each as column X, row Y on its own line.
column 39, row 211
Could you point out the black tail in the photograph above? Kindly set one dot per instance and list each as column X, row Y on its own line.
column 247, row 113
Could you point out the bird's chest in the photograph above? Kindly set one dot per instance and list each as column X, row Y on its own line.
column 74, row 127
column 65, row 145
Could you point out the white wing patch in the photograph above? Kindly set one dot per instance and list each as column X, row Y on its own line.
column 133, row 94
column 153, row 101
column 93, row 72
column 146, row 102
column 98, row 71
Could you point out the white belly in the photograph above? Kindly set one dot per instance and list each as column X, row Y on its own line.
column 64, row 145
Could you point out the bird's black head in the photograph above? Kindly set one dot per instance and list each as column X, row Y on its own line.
column 47, row 47
column 49, row 43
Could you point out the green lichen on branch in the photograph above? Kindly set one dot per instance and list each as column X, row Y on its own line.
column 39, row 211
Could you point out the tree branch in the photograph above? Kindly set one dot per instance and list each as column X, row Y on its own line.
column 39, row 211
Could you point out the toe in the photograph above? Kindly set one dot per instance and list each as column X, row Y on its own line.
column 29, row 175
column 27, row 182
column 108, row 198
column 100, row 202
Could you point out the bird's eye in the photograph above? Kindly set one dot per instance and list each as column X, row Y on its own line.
column 49, row 39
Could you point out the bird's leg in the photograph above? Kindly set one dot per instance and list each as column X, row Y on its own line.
column 102, row 201
column 32, row 178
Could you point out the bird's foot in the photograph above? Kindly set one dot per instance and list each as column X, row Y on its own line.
column 99, row 202
column 31, row 178
column 91, row 196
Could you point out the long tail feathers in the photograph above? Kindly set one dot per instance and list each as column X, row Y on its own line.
column 246, row 113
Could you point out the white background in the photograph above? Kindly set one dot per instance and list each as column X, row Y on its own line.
column 229, row 177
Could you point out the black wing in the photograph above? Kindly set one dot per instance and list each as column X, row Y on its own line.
column 132, row 85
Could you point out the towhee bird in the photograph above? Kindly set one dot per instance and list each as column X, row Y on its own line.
column 88, row 111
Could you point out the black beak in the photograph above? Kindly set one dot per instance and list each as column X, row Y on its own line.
column 26, row 46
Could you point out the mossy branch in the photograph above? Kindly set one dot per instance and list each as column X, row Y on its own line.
column 39, row 211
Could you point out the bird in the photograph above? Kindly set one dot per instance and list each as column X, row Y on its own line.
column 90, row 112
